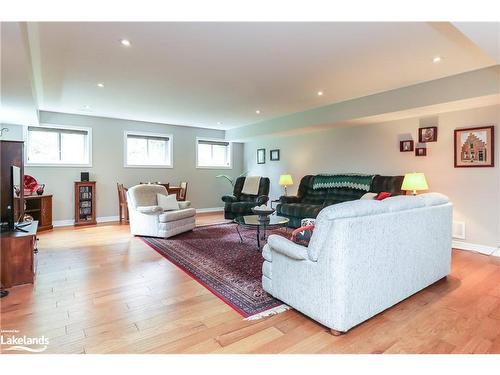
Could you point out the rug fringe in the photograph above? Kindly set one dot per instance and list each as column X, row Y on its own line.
column 274, row 311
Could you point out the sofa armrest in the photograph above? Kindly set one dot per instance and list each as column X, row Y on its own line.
column 229, row 198
column 149, row 210
column 184, row 204
column 286, row 247
column 262, row 199
column 289, row 199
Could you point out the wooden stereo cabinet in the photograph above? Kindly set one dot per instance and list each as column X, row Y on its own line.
column 18, row 258
column 85, row 203
column 40, row 208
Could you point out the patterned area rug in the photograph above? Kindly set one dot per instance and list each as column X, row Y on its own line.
column 214, row 256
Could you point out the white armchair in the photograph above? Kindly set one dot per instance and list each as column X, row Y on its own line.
column 363, row 257
column 149, row 219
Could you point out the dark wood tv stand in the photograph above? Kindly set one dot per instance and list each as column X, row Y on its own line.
column 17, row 256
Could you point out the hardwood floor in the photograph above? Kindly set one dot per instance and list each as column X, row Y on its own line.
column 100, row 290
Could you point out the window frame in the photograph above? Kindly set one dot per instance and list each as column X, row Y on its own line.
column 148, row 134
column 198, row 139
column 27, row 163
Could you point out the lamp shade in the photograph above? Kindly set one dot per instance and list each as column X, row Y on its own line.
column 414, row 182
column 286, row 180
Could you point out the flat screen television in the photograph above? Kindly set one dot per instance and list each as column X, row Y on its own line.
column 12, row 222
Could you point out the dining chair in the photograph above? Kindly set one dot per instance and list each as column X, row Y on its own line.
column 183, row 191
column 122, row 203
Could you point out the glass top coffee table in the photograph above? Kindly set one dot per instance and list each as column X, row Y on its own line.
column 260, row 226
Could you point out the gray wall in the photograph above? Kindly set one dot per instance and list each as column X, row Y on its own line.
column 204, row 190
column 374, row 148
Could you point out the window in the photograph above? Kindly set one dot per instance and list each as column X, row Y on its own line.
column 58, row 146
column 148, row 150
column 213, row 153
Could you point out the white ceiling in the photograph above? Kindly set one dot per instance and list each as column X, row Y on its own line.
column 199, row 74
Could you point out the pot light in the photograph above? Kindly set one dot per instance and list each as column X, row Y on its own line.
column 258, row 111
column 320, row 93
column 436, row 59
column 125, row 42
column 100, row 84
column 219, row 123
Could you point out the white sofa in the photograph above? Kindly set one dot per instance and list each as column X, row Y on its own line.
column 364, row 256
column 149, row 219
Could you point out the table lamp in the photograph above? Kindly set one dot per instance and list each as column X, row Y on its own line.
column 285, row 180
column 414, row 181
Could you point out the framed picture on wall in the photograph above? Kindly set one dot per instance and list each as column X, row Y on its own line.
column 429, row 134
column 261, row 156
column 475, row 147
column 420, row 151
column 274, row 155
column 406, row 146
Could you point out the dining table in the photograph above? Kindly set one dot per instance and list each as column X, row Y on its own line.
column 170, row 189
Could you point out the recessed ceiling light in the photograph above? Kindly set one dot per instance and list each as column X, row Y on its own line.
column 219, row 123
column 436, row 59
column 86, row 106
column 125, row 42
column 258, row 111
column 100, row 84
column 320, row 93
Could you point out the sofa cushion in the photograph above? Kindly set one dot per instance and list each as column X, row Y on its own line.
column 167, row 202
column 169, row 216
column 300, row 209
column 369, row 196
column 339, row 195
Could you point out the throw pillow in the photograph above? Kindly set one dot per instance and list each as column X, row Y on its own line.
column 383, row 195
column 369, row 196
column 302, row 235
column 167, row 202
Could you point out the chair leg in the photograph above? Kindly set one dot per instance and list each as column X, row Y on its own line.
column 120, row 213
column 334, row 332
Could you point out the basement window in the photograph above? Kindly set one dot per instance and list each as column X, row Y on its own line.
column 148, row 150
column 213, row 153
column 62, row 146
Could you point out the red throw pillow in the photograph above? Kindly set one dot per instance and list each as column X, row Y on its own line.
column 382, row 195
column 302, row 235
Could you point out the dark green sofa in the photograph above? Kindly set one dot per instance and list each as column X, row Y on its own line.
column 309, row 202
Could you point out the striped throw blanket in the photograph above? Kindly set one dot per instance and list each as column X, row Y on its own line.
column 353, row 181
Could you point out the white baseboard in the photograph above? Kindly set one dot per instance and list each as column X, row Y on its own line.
column 487, row 250
column 63, row 223
column 107, row 219
column 101, row 219
column 212, row 209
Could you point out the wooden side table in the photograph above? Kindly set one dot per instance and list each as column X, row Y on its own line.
column 18, row 258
